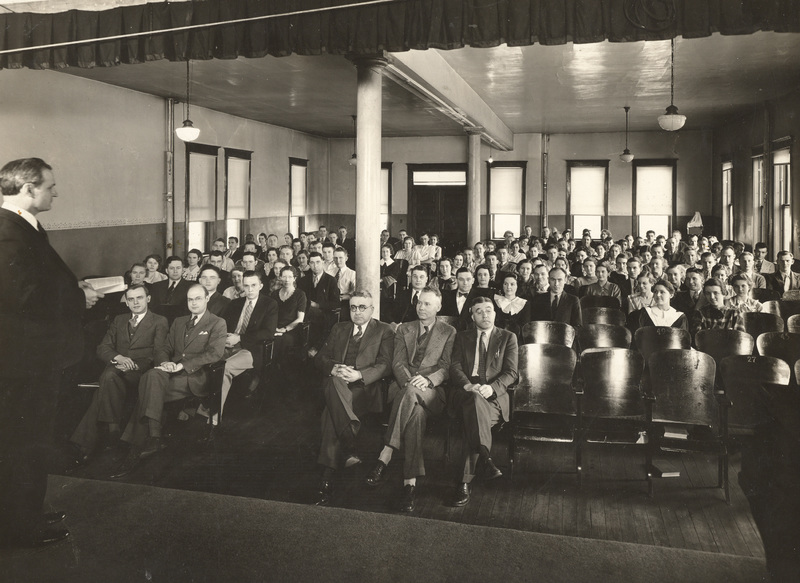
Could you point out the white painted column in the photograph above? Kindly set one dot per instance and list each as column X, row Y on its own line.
column 474, row 187
column 368, row 175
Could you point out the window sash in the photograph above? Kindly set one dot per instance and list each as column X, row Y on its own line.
column 439, row 177
column 298, row 190
column 587, row 190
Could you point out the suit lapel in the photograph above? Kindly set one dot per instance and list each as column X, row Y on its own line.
column 433, row 344
column 469, row 346
column 410, row 338
column 349, row 331
column 198, row 327
column 146, row 321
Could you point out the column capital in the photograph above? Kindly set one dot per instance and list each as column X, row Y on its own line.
column 474, row 131
column 375, row 60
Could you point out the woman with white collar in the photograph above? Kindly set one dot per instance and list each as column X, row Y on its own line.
column 660, row 312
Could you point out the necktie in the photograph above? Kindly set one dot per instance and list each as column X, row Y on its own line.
column 359, row 333
column 248, row 311
column 191, row 323
column 414, row 299
column 554, row 307
column 482, row 358
column 171, row 289
column 422, row 336
column 132, row 325
column 787, row 282
column 338, row 272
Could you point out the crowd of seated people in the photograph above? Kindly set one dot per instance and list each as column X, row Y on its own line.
column 179, row 315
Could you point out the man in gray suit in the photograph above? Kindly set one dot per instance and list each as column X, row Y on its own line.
column 484, row 365
column 356, row 355
column 130, row 347
column 421, row 364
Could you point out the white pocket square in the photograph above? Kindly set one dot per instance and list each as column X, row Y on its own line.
column 203, row 332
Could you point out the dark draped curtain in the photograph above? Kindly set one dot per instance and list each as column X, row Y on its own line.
column 397, row 26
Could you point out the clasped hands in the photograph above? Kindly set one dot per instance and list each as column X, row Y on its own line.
column 419, row 382
column 484, row 391
column 170, row 367
column 346, row 373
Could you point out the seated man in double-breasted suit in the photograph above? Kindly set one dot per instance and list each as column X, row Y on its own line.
column 133, row 342
column 169, row 295
column 193, row 342
column 421, row 366
column 484, row 365
column 405, row 303
column 355, row 356
column 557, row 305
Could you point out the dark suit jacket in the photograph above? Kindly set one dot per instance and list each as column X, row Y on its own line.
column 374, row 359
column 260, row 327
column 623, row 283
column 217, row 304
column 775, row 281
column 450, row 307
column 682, row 301
column 349, row 245
column 569, row 309
column 41, row 305
column 160, row 289
column 203, row 345
column 326, row 294
column 435, row 364
column 501, row 365
column 404, row 310
column 148, row 344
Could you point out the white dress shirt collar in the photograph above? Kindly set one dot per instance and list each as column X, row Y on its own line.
column 10, row 206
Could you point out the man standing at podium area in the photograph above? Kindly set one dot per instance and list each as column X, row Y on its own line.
column 41, row 335
column 484, row 365
column 356, row 355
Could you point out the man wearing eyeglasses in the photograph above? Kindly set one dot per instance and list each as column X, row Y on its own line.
column 355, row 356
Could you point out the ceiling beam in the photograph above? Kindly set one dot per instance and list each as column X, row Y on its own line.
column 429, row 76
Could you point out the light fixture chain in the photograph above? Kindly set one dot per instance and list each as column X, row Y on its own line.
column 672, row 72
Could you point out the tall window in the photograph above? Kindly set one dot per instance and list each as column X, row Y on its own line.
column 201, row 194
column 758, row 195
column 506, row 197
column 781, row 176
column 298, row 191
column 237, row 192
column 587, row 195
column 386, row 194
column 654, row 192
column 727, row 200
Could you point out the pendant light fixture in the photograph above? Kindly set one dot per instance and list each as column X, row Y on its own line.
column 490, row 160
column 187, row 132
column 353, row 161
column 671, row 120
column 626, row 155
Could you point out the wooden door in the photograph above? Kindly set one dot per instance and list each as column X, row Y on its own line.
column 441, row 210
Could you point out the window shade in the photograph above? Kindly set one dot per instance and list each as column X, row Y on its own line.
column 781, row 156
column 433, row 178
column 654, row 190
column 238, row 188
column 505, row 196
column 587, row 190
column 202, row 187
column 298, row 194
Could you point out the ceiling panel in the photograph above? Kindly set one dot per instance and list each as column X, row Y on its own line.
column 556, row 89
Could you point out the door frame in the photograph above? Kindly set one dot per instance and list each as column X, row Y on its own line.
column 412, row 202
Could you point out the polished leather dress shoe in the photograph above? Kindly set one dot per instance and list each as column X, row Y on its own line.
column 462, row 495
column 43, row 536
column 325, row 493
column 407, row 499
column 54, row 517
column 375, row 475
column 127, row 466
column 151, row 446
column 492, row 472
column 111, row 440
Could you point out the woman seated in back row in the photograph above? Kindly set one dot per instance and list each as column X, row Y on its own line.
column 741, row 300
column 660, row 312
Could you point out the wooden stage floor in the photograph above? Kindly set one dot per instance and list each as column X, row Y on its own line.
column 268, row 450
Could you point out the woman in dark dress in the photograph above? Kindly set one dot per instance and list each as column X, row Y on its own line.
column 513, row 312
column 393, row 279
column 292, row 304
